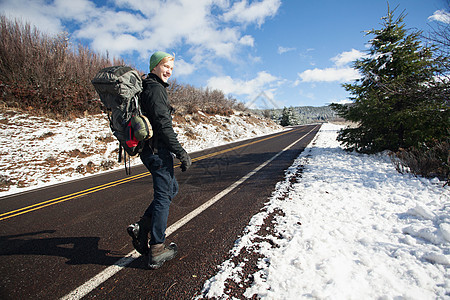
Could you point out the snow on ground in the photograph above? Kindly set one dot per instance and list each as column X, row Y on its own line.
column 37, row 151
column 350, row 227
column 345, row 225
column 200, row 131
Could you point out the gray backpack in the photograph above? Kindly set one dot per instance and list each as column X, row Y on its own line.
column 119, row 88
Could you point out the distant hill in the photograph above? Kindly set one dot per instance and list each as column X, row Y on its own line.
column 299, row 115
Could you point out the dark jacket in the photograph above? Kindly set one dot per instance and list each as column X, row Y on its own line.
column 156, row 107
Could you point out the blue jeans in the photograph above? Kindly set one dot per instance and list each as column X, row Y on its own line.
column 165, row 187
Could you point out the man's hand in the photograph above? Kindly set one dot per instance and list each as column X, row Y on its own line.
column 185, row 160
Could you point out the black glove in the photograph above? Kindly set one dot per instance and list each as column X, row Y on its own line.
column 185, row 160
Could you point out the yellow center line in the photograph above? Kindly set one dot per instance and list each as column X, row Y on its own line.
column 54, row 201
column 36, row 206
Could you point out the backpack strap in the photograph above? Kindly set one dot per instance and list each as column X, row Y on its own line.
column 127, row 170
column 120, row 152
column 125, row 156
column 136, row 104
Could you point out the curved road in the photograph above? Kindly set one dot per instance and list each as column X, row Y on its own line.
column 69, row 240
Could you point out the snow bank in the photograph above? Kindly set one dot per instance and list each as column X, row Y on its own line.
column 351, row 228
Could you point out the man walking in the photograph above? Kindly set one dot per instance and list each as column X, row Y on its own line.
column 157, row 157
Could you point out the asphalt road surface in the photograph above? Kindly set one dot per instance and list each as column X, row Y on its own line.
column 69, row 240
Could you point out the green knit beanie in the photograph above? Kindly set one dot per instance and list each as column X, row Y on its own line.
column 156, row 58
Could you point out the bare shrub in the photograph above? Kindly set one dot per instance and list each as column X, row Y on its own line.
column 5, row 182
column 46, row 74
column 107, row 164
column 188, row 99
column 429, row 161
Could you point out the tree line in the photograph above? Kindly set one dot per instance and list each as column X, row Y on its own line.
column 300, row 115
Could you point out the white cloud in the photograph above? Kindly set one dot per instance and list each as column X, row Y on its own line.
column 247, row 40
column 256, row 12
column 118, row 23
column 123, row 43
column 183, row 68
column 79, row 10
column 329, row 75
column 340, row 72
column 37, row 13
column 282, row 50
column 440, row 16
column 253, row 87
column 143, row 26
column 347, row 57
column 254, row 59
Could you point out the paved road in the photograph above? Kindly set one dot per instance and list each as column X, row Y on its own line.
column 70, row 239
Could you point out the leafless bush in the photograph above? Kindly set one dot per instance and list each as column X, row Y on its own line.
column 187, row 100
column 46, row 74
column 429, row 161
column 49, row 75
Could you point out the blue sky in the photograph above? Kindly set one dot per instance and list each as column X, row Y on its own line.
column 268, row 53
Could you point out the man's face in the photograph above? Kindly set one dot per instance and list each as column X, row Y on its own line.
column 164, row 70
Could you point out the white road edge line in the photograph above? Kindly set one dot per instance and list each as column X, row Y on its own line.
column 101, row 277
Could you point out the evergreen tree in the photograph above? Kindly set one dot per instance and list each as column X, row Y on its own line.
column 397, row 102
column 289, row 117
column 293, row 116
column 285, row 118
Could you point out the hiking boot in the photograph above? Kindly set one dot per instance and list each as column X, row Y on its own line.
column 160, row 253
column 139, row 233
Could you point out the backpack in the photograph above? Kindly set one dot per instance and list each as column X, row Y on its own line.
column 119, row 88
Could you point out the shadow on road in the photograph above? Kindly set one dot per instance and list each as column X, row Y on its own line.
column 77, row 250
